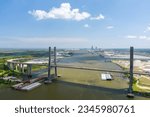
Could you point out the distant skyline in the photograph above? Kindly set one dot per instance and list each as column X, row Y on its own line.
column 74, row 23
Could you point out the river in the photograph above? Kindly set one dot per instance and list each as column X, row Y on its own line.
column 76, row 84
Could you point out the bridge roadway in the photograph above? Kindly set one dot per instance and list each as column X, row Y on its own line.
column 12, row 63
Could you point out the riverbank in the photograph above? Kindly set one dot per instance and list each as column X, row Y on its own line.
column 141, row 82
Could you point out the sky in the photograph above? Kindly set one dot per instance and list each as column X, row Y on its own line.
column 74, row 23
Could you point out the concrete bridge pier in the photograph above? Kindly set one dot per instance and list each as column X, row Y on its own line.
column 22, row 68
column 16, row 67
column 8, row 64
column 13, row 66
column 29, row 70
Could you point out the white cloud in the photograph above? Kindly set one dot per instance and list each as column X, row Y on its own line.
column 110, row 27
column 141, row 37
column 86, row 26
column 66, row 12
column 63, row 12
column 100, row 17
column 144, row 37
column 131, row 37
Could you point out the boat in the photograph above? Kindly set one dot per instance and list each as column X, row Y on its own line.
column 106, row 76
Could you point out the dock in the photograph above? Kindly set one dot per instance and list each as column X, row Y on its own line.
column 26, row 86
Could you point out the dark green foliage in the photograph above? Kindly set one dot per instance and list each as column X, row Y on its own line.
column 5, row 67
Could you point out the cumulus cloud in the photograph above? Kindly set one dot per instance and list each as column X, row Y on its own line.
column 109, row 27
column 100, row 17
column 63, row 12
column 86, row 26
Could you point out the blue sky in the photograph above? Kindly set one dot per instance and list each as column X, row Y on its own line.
column 74, row 23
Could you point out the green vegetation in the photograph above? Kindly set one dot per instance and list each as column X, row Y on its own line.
column 37, row 67
column 3, row 67
column 135, row 88
column 5, row 83
column 144, row 81
column 10, row 73
column 4, row 72
column 138, row 90
column 139, row 84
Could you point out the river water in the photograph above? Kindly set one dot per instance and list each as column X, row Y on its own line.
column 65, row 89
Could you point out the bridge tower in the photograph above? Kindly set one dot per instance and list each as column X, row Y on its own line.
column 130, row 91
column 49, row 79
column 55, row 62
